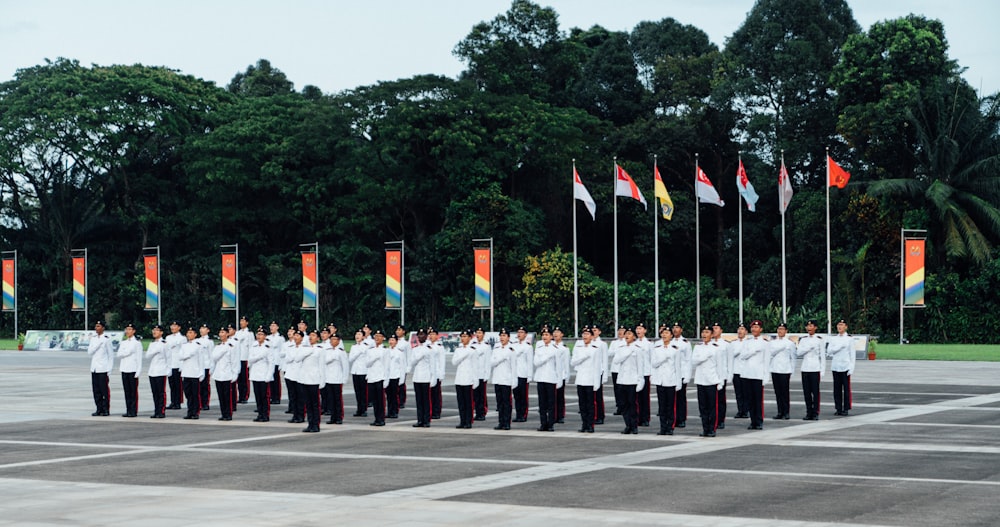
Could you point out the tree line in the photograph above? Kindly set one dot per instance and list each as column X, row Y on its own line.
column 115, row 158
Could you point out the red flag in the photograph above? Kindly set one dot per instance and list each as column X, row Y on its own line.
column 838, row 176
column 624, row 186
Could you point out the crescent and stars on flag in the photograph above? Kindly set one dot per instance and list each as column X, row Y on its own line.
column 706, row 191
column 624, row 186
column 746, row 188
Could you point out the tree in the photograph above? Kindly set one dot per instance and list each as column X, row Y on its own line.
column 262, row 80
column 609, row 86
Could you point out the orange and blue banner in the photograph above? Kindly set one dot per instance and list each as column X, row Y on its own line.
column 308, row 280
column 9, row 289
column 483, row 279
column 152, row 265
column 79, row 284
column 229, row 271
column 393, row 279
column 913, row 294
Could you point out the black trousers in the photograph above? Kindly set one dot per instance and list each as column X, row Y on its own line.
column 722, row 403
column 158, row 387
column 617, row 391
column 224, row 389
column 547, row 404
column 130, row 385
column 333, row 398
column 585, row 394
column 437, row 399
column 666, row 398
column 206, row 390
column 753, row 391
column 422, row 394
column 643, row 398
column 479, row 396
column 841, row 390
column 360, row 393
column 309, row 397
column 810, row 390
column 376, row 394
column 295, row 401
column 233, row 395
column 521, row 398
column 176, row 388
column 503, row 394
column 402, row 394
column 192, row 390
column 243, row 383
column 262, row 396
column 628, row 407
column 102, row 391
column 741, row 401
column 561, row 402
column 275, row 386
column 464, row 395
column 392, row 397
column 681, row 405
column 293, row 394
column 781, row 381
column 599, row 401
column 708, row 396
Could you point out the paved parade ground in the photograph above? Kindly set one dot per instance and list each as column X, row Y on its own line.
column 920, row 448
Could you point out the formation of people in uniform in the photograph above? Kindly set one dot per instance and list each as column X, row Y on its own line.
column 314, row 365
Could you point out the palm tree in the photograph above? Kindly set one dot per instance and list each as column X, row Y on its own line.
column 957, row 176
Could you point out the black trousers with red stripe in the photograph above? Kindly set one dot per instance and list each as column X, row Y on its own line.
column 309, row 396
column 422, row 394
column 333, row 398
column 376, row 394
column 262, row 396
column 437, row 399
column 666, row 398
column 521, row 398
column 628, row 407
column 722, row 403
column 479, row 396
column 841, row 390
column 243, row 383
column 585, row 395
column 176, row 387
column 192, row 390
column 130, row 386
column 463, row 393
column 681, row 405
column 102, row 391
column 158, row 387
column 708, row 399
column 561, row 402
column 546, row 404
column 741, row 402
column 224, row 389
column 503, row 394
column 781, row 394
column 275, row 386
column 599, row 401
column 392, row 398
column 206, row 389
column 402, row 394
column 360, row 393
column 753, row 392
column 810, row 391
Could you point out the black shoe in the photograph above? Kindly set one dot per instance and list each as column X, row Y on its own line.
column 590, row 430
column 506, row 427
column 627, row 430
column 682, row 424
column 174, row 407
column 438, row 416
column 378, row 423
column 542, row 429
column 402, row 407
column 276, row 402
column 459, row 426
column 311, row 429
column 616, row 413
column 560, row 421
column 722, row 426
column 393, row 416
column 711, row 434
column 665, row 433
column 291, row 412
column 599, row 422
column 418, row 425
column 844, row 413
column 704, row 434
column 296, row 421
column 223, row 419
column 582, row 430
column 520, row 420
column 258, row 420
column 96, row 414
column 206, row 407
column 480, row 418
column 785, row 417
column 741, row 416
column 244, row 401
column 498, row 427
column 755, row 427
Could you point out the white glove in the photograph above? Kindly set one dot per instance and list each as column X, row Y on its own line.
column 385, row 383
column 718, row 387
column 641, row 385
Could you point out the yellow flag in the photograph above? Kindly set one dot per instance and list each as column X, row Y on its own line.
column 660, row 191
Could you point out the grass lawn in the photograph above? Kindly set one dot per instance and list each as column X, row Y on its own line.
column 969, row 352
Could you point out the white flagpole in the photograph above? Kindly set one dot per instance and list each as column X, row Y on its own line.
column 829, row 289
column 614, row 197
column 656, row 253
column 576, row 279
column 697, row 248
column 784, row 208
column 739, row 206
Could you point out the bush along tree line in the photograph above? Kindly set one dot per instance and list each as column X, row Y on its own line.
column 114, row 158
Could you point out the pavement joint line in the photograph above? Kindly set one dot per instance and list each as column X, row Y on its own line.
column 941, row 425
column 901, row 447
column 488, row 482
column 77, row 458
column 809, row 475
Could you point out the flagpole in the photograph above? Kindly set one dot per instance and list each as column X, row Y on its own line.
column 829, row 289
column 614, row 197
column 784, row 208
column 697, row 248
column 576, row 280
column 656, row 254
column 739, row 156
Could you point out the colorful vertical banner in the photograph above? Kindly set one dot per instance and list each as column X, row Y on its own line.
column 393, row 279
column 152, row 265
column 483, row 279
column 79, row 284
column 914, row 272
column 228, row 280
column 308, row 280
column 9, row 295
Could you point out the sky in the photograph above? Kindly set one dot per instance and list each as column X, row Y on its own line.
column 339, row 45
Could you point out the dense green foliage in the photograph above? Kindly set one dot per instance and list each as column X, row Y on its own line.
column 115, row 158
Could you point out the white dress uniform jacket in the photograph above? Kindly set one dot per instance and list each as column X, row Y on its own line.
column 502, row 359
column 645, row 358
column 244, row 339
column 190, row 354
column 310, row 365
column 524, row 364
column 464, row 359
column 397, row 363
column 259, row 362
column 358, row 357
column 289, row 353
column 841, row 350
column 222, row 361
column 205, row 353
column 337, row 366
column 156, row 354
column 563, row 364
column 377, row 361
column 684, row 350
column 130, row 356
column 585, row 361
column 703, row 359
column 403, row 347
column 546, row 363
column 174, row 343
column 612, row 351
column 421, row 363
column 275, row 343
column 812, row 350
column 439, row 361
column 723, row 361
column 666, row 361
column 755, row 357
column 782, row 355
column 737, row 350
column 627, row 361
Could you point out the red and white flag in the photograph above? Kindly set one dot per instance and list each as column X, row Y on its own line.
column 784, row 188
column 624, row 186
column 706, row 191
column 580, row 192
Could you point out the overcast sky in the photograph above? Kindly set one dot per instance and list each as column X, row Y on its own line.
column 338, row 45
